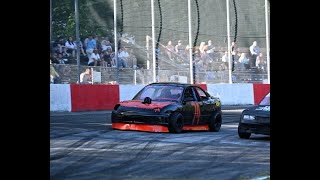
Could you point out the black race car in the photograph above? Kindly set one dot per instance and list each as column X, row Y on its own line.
column 168, row 107
column 255, row 119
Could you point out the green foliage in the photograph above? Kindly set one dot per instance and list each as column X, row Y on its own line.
column 95, row 18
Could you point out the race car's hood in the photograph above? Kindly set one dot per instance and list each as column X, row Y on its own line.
column 139, row 104
column 259, row 110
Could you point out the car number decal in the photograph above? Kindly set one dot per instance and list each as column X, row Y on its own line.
column 197, row 113
column 217, row 103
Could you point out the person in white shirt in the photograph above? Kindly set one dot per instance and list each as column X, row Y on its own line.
column 85, row 77
column 254, row 51
column 123, row 56
column 70, row 47
column 94, row 58
column 225, row 57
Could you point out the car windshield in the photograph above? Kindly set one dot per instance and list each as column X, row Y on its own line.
column 160, row 93
column 266, row 100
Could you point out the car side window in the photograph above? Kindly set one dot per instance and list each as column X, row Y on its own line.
column 201, row 93
column 188, row 95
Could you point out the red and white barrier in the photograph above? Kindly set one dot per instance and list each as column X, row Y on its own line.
column 93, row 97
column 87, row 97
column 60, row 97
column 83, row 97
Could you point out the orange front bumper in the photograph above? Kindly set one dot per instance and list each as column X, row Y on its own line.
column 155, row 128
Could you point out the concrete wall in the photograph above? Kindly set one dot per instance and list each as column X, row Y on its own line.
column 60, row 97
column 66, row 97
column 233, row 94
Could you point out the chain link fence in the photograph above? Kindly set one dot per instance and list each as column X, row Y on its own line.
column 134, row 25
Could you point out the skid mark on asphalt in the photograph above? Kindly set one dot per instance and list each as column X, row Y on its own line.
column 113, row 154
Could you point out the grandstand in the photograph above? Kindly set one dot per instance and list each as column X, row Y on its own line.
column 134, row 24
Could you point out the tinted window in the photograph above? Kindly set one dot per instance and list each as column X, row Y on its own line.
column 188, row 95
column 147, row 92
column 266, row 100
column 201, row 93
column 160, row 93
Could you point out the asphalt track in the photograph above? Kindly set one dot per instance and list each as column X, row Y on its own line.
column 83, row 146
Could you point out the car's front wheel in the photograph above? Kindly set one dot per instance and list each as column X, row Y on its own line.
column 175, row 123
column 243, row 135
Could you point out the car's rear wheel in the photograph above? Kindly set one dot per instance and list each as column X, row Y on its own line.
column 243, row 135
column 175, row 123
column 215, row 122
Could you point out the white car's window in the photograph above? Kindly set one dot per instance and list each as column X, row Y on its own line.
column 266, row 100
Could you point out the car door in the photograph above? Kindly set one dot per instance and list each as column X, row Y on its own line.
column 206, row 105
column 190, row 107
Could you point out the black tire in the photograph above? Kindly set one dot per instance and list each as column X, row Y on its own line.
column 215, row 122
column 175, row 123
column 243, row 135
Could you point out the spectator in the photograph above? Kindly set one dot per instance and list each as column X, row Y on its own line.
column 54, row 76
column 187, row 54
column 107, row 58
column 261, row 63
column 60, row 58
column 98, row 44
column 85, row 77
column 92, row 44
column 234, row 48
column 54, row 58
column 59, row 45
column 169, row 50
column 244, row 61
column 209, row 48
column 234, row 52
column 105, row 45
column 225, row 59
column 70, row 47
column 113, row 59
column 122, row 57
column 95, row 58
column 86, row 42
column 203, row 53
column 180, row 50
column 81, row 48
column 254, row 51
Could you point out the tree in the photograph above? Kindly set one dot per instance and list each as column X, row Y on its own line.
column 95, row 18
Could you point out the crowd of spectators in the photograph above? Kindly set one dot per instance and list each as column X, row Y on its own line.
column 94, row 50
column 207, row 55
column 99, row 51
